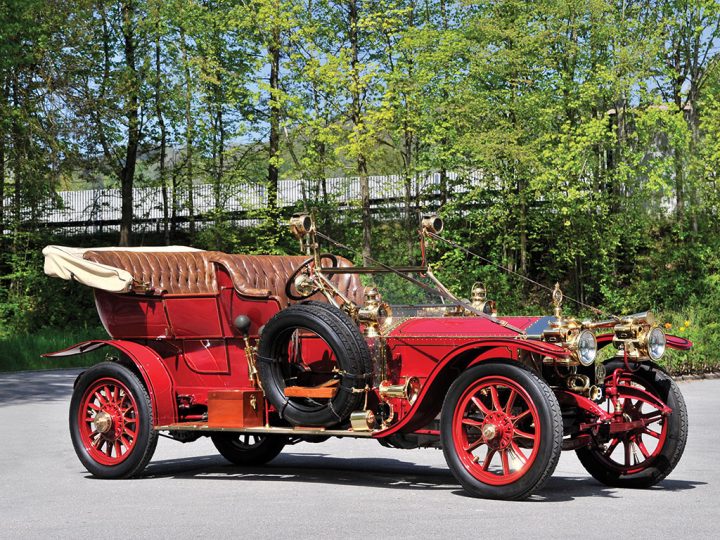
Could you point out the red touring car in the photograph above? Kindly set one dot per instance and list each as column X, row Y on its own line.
column 258, row 352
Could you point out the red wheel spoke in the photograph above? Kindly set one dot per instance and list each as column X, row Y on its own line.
column 626, row 445
column 510, row 401
column 111, row 397
column 612, row 447
column 653, row 415
column 480, row 405
column 641, row 445
column 524, row 434
column 472, row 423
column 518, row 452
column 495, row 399
column 474, row 445
column 520, row 416
column 488, row 459
column 648, row 431
column 505, row 462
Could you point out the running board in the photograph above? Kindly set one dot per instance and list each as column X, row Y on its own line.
column 297, row 431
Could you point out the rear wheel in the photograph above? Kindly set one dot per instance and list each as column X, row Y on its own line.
column 643, row 456
column 248, row 448
column 501, row 431
column 111, row 422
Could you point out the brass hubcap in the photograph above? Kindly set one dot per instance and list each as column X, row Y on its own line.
column 489, row 431
column 103, row 422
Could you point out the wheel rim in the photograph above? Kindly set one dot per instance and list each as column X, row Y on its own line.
column 496, row 430
column 635, row 450
column 108, row 421
column 247, row 441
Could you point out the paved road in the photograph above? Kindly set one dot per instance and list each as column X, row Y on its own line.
column 341, row 488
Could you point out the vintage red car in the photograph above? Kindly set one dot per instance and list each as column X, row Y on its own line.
column 258, row 352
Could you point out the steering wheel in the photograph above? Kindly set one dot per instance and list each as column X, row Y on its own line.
column 305, row 267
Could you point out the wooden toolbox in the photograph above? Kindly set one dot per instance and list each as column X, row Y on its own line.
column 235, row 408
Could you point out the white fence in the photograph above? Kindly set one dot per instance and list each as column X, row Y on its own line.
column 100, row 209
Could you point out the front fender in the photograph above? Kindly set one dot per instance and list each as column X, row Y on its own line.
column 429, row 401
column 673, row 342
column 157, row 380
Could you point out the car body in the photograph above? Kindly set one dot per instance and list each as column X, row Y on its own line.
column 259, row 352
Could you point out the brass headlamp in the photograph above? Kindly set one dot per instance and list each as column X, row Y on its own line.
column 302, row 226
column 569, row 333
column 374, row 312
column 478, row 299
column 639, row 337
column 432, row 223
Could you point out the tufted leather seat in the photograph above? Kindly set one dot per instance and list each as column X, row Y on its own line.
column 260, row 276
column 175, row 273
column 266, row 275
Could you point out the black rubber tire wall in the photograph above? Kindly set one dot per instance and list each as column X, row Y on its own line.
column 348, row 345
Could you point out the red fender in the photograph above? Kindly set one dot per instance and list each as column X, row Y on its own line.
column 673, row 342
column 440, row 377
column 157, row 379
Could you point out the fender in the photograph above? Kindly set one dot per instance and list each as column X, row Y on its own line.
column 673, row 342
column 441, row 377
column 156, row 377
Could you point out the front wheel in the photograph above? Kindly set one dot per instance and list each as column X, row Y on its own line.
column 501, row 431
column 111, row 422
column 644, row 455
column 247, row 448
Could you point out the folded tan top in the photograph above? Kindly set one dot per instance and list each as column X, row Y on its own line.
column 68, row 263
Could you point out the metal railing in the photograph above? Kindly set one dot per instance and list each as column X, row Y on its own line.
column 100, row 209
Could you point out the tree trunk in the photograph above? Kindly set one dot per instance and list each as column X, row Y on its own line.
column 163, row 142
column 356, row 118
column 274, row 138
column 18, row 161
column 2, row 167
column 127, row 173
column 189, row 134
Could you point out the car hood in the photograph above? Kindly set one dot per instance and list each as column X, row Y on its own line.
column 468, row 327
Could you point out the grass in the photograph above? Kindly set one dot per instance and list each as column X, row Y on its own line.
column 22, row 351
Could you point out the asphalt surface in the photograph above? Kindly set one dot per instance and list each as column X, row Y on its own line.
column 340, row 488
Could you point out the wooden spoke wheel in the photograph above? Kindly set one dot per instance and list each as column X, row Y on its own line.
column 111, row 421
column 501, row 431
column 647, row 453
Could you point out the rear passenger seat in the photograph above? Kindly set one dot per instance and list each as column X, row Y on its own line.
column 259, row 276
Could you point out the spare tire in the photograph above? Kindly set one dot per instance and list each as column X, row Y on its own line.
column 345, row 359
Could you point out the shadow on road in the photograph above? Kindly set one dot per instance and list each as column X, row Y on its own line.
column 36, row 386
column 374, row 473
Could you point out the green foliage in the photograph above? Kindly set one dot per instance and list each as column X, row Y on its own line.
column 571, row 142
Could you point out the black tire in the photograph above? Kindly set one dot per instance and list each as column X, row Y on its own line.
column 512, row 438
column 351, row 355
column 664, row 456
column 135, row 451
column 247, row 449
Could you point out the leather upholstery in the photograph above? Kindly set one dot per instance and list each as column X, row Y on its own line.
column 175, row 273
column 259, row 276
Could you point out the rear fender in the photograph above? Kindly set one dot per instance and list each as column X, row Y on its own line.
column 157, row 380
column 429, row 402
